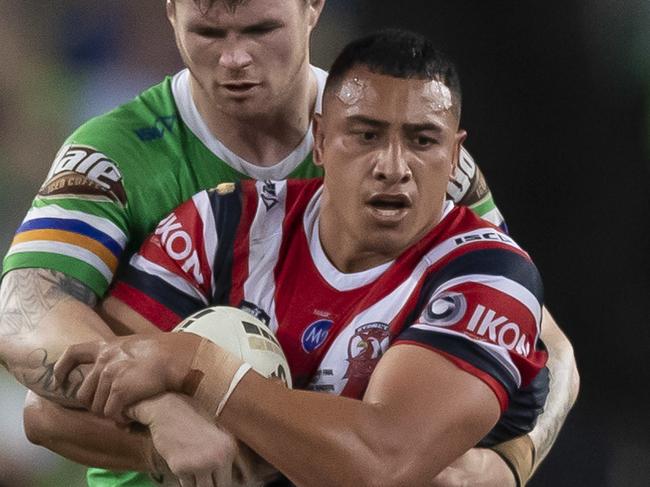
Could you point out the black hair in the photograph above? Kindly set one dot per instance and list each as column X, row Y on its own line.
column 399, row 53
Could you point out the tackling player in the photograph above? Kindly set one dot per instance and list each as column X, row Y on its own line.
column 242, row 109
column 433, row 315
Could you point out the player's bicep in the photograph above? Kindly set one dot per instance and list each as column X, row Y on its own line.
column 443, row 410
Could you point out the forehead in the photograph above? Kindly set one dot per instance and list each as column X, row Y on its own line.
column 224, row 11
column 363, row 93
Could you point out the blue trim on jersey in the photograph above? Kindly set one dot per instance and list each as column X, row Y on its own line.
column 162, row 292
column 493, row 262
column 465, row 350
column 227, row 209
column 76, row 226
column 523, row 409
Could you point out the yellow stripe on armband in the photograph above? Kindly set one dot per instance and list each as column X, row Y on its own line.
column 519, row 454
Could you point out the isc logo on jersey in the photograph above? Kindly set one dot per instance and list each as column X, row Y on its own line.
column 179, row 246
column 82, row 171
column 450, row 308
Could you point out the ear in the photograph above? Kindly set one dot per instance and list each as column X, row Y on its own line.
column 319, row 138
column 314, row 10
column 170, row 7
column 460, row 137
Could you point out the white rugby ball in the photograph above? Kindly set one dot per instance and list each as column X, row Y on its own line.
column 243, row 335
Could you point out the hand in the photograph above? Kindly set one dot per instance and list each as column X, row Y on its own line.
column 478, row 467
column 128, row 369
column 195, row 450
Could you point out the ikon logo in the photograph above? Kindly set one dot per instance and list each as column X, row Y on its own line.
column 499, row 329
column 178, row 245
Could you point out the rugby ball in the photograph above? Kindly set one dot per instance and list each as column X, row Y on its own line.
column 242, row 335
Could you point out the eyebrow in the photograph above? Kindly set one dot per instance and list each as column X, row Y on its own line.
column 411, row 127
column 202, row 25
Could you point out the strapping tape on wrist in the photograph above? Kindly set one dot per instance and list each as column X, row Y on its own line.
column 214, row 375
column 519, row 454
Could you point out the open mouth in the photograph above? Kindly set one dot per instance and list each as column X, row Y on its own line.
column 388, row 205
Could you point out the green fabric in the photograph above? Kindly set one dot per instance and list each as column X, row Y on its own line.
column 69, row 266
column 97, row 477
column 162, row 164
column 485, row 205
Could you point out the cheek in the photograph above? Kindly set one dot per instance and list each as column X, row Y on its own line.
column 197, row 51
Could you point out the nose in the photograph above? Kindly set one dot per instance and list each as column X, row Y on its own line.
column 391, row 165
column 234, row 56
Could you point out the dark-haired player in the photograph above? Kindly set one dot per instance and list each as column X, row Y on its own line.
column 242, row 109
column 434, row 315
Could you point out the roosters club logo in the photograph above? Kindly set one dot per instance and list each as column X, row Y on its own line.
column 365, row 348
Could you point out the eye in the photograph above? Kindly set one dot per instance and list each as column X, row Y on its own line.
column 210, row 32
column 261, row 29
column 423, row 141
column 368, row 136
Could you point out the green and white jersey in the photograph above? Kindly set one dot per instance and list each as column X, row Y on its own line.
column 119, row 174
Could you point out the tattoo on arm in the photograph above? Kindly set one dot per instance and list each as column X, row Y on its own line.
column 27, row 295
column 39, row 373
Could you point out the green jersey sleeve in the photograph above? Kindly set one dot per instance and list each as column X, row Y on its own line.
column 77, row 223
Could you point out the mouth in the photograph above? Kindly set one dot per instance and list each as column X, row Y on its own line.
column 239, row 87
column 389, row 206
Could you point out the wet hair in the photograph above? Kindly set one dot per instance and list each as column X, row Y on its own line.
column 401, row 54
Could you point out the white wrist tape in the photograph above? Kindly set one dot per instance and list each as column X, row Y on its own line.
column 218, row 373
column 239, row 375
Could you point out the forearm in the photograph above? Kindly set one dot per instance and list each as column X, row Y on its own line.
column 319, row 439
column 85, row 438
column 41, row 313
column 564, row 386
column 325, row 434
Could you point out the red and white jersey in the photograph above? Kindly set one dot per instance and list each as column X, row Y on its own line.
column 465, row 290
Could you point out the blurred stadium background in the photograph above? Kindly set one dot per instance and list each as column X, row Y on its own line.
column 557, row 105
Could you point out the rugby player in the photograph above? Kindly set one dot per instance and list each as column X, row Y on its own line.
column 434, row 315
column 242, row 109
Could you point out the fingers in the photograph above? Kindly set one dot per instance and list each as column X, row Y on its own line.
column 222, row 476
column 74, row 355
column 103, row 391
column 86, row 391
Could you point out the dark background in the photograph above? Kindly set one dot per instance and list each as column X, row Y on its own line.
column 555, row 103
column 556, row 98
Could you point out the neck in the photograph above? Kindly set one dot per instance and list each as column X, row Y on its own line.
column 344, row 251
column 263, row 139
column 350, row 252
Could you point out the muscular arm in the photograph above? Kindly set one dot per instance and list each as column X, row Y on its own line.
column 420, row 412
column 41, row 313
column 74, row 434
